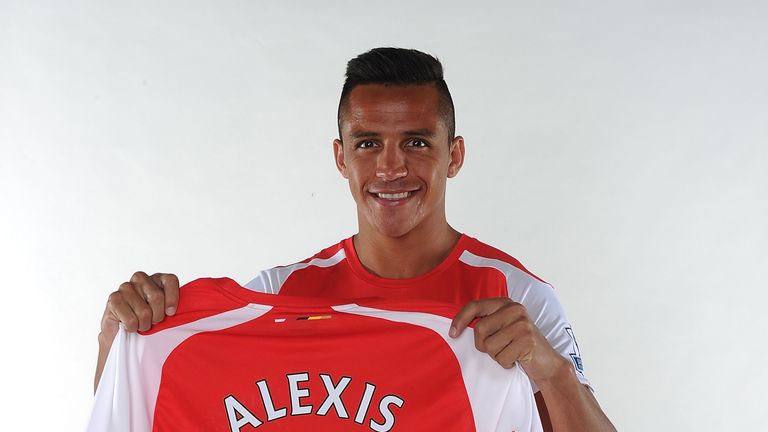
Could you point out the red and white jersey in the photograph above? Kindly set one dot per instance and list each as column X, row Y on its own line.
column 473, row 270
column 235, row 360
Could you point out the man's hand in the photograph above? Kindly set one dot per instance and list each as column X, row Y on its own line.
column 508, row 335
column 138, row 303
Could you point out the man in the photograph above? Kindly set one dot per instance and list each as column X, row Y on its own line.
column 397, row 148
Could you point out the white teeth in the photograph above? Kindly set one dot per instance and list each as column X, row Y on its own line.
column 395, row 196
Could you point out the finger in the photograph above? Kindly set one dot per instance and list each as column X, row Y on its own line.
column 152, row 294
column 118, row 311
column 140, row 315
column 488, row 327
column 170, row 285
column 474, row 309
column 513, row 353
column 110, row 321
column 512, row 343
column 506, row 314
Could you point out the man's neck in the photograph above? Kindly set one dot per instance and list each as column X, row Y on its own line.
column 407, row 256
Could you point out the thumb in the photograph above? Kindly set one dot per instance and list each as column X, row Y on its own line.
column 170, row 285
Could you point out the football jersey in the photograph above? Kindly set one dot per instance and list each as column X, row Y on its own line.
column 473, row 270
column 235, row 360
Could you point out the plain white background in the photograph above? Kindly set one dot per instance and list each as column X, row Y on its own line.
column 618, row 149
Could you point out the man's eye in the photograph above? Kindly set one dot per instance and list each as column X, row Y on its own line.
column 418, row 143
column 366, row 144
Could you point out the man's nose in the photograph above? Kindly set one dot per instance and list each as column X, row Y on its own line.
column 391, row 163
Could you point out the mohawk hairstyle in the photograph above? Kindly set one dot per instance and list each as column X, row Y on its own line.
column 398, row 66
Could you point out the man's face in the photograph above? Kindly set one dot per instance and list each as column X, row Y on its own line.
column 397, row 155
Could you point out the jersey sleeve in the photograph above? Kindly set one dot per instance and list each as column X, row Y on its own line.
column 119, row 404
column 548, row 314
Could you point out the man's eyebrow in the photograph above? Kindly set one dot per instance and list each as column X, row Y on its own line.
column 373, row 134
column 365, row 134
column 420, row 132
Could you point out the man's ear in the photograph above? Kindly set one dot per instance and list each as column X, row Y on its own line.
column 338, row 155
column 457, row 156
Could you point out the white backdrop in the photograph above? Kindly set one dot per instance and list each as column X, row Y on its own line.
column 618, row 149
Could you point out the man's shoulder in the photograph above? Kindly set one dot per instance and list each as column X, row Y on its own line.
column 271, row 280
column 481, row 254
column 326, row 253
column 481, row 248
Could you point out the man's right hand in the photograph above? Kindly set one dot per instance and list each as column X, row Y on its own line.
column 138, row 303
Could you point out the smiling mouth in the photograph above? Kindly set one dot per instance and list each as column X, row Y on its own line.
column 394, row 196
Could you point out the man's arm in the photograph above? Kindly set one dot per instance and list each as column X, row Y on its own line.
column 137, row 304
column 570, row 406
column 507, row 334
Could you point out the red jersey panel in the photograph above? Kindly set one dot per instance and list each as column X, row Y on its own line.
column 235, row 360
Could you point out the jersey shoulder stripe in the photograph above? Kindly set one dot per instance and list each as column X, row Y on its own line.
column 271, row 280
column 486, row 255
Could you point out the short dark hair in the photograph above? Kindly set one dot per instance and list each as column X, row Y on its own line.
column 399, row 66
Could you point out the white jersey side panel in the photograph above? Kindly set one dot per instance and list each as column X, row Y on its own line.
column 127, row 392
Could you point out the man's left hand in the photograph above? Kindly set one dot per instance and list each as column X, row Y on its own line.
column 508, row 335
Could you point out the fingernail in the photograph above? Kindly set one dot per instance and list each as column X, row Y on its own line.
column 170, row 310
column 452, row 332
